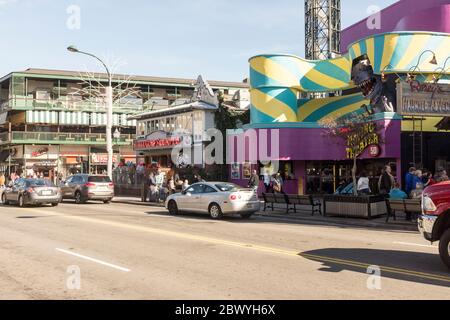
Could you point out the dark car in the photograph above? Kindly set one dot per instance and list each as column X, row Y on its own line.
column 32, row 192
column 84, row 187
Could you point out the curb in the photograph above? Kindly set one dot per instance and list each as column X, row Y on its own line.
column 344, row 223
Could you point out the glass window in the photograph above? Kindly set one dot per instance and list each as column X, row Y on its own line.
column 227, row 187
column 209, row 189
column 99, row 179
column 195, row 189
column 39, row 183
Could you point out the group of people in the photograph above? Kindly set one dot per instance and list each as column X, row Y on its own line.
column 272, row 183
column 415, row 183
column 4, row 181
column 160, row 185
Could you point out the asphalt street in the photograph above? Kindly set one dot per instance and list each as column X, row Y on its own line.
column 123, row 251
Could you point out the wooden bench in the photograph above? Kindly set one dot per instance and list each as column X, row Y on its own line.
column 270, row 199
column 409, row 206
column 295, row 200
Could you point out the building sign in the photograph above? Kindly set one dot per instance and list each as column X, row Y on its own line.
column 41, row 152
column 157, row 140
column 374, row 150
column 102, row 158
column 366, row 136
column 423, row 99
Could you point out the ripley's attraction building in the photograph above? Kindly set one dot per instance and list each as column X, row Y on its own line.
column 398, row 76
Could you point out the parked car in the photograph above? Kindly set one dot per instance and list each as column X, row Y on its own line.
column 434, row 224
column 216, row 199
column 84, row 187
column 32, row 192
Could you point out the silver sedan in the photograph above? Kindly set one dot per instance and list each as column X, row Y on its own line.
column 216, row 199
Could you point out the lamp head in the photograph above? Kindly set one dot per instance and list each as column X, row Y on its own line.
column 72, row 49
column 434, row 60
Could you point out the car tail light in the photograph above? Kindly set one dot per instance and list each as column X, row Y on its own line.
column 428, row 205
column 30, row 190
column 90, row 185
column 111, row 185
column 235, row 197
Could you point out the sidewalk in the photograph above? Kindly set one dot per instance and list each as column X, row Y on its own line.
column 305, row 217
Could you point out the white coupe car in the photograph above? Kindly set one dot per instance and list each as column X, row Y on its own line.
column 216, row 199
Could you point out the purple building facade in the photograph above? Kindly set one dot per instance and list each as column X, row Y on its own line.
column 404, row 15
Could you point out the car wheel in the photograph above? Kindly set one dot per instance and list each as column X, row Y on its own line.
column 444, row 248
column 4, row 201
column 107, row 201
column 215, row 211
column 246, row 215
column 55, row 204
column 173, row 208
column 79, row 198
column 21, row 202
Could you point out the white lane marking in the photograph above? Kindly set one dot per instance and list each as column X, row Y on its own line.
column 416, row 245
column 93, row 260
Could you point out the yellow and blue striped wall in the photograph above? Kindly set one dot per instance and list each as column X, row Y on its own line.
column 276, row 81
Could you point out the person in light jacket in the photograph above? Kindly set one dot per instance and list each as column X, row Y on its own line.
column 363, row 184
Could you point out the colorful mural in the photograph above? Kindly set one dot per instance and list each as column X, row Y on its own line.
column 277, row 81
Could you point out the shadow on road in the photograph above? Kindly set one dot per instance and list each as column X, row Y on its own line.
column 418, row 267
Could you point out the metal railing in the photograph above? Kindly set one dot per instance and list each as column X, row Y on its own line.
column 66, row 105
column 67, row 138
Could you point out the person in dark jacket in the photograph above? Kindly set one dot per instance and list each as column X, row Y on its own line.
column 387, row 181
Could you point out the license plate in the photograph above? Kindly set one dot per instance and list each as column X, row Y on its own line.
column 249, row 206
column 46, row 193
column 103, row 189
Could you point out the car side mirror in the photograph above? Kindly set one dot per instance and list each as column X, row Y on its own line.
column 184, row 193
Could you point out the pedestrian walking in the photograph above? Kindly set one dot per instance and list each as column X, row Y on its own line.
column 254, row 181
column 387, row 181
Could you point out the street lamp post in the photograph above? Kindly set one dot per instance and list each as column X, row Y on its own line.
column 109, row 109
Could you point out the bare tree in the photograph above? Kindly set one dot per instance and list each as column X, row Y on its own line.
column 356, row 132
column 92, row 87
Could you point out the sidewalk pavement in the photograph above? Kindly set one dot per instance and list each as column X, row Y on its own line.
column 305, row 217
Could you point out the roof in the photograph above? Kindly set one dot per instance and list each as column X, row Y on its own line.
column 150, row 79
column 198, row 105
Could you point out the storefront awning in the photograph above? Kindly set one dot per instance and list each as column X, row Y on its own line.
column 444, row 124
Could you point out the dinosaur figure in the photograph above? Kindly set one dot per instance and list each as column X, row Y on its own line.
column 381, row 91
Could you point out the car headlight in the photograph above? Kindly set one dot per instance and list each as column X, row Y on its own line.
column 428, row 206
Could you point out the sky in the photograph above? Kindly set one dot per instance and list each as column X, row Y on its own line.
column 167, row 38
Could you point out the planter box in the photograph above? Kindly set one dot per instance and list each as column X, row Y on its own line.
column 368, row 207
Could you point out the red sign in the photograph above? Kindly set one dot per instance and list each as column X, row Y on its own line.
column 374, row 150
column 160, row 143
column 39, row 152
column 101, row 158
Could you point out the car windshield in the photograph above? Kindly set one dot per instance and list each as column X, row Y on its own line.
column 99, row 179
column 39, row 183
column 227, row 187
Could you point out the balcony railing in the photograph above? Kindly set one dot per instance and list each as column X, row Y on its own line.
column 64, row 138
column 24, row 103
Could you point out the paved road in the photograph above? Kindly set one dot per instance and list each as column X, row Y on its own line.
column 134, row 252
